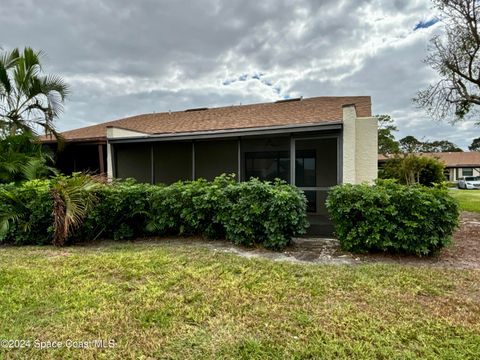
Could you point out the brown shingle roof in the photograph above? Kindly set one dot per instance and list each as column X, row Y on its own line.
column 306, row 111
column 452, row 159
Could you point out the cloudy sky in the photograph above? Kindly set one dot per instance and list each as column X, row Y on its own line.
column 124, row 57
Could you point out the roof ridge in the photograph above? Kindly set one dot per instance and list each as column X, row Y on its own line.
column 208, row 109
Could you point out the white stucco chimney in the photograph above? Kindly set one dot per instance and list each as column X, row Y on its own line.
column 360, row 147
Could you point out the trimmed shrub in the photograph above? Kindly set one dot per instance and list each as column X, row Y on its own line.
column 189, row 208
column 263, row 213
column 119, row 213
column 391, row 217
column 249, row 213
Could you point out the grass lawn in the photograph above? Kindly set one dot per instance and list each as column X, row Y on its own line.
column 469, row 199
column 168, row 301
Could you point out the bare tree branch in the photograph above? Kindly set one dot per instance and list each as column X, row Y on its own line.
column 455, row 57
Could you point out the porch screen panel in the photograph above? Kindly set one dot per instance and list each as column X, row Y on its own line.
column 266, row 158
column 133, row 161
column 316, row 170
column 213, row 158
column 172, row 161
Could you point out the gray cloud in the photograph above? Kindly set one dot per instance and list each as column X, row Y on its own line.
column 129, row 57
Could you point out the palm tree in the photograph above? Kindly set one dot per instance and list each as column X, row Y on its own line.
column 29, row 100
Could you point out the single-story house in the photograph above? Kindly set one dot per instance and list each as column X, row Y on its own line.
column 457, row 164
column 313, row 143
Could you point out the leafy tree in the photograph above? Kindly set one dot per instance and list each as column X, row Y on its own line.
column 410, row 169
column 28, row 99
column 410, row 144
column 475, row 146
column 386, row 140
column 455, row 56
column 440, row 146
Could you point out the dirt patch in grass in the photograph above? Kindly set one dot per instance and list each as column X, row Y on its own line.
column 466, row 245
column 302, row 251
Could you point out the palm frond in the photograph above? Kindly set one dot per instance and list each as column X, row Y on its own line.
column 10, row 165
column 73, row 198
column 5, row 85
column 54, row 83
column 7, row 61
column 37, row 168
column 9, row 58
column 32, row 58
column 22, row 157
column 12, row 211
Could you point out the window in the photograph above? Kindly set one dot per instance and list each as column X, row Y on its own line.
column 467, row 172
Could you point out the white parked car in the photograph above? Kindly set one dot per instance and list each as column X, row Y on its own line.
column 469, row 182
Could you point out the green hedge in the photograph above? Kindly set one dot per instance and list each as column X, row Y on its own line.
column 119, row 213
column 256, row 211
column 249, row 213
column 391, row 217
column 27, row 209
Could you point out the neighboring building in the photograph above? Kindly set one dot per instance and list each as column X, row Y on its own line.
column 314, row 143
column 457, row 164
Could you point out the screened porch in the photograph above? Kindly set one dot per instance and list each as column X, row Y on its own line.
column 312, row 162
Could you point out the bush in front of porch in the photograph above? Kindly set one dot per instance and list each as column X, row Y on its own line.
column 388, row 216
column 261, row 213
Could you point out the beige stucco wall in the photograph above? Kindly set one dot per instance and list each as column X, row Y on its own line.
column 113, row 132
column 360, row 147
column 349, row 144
column 366, row 149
